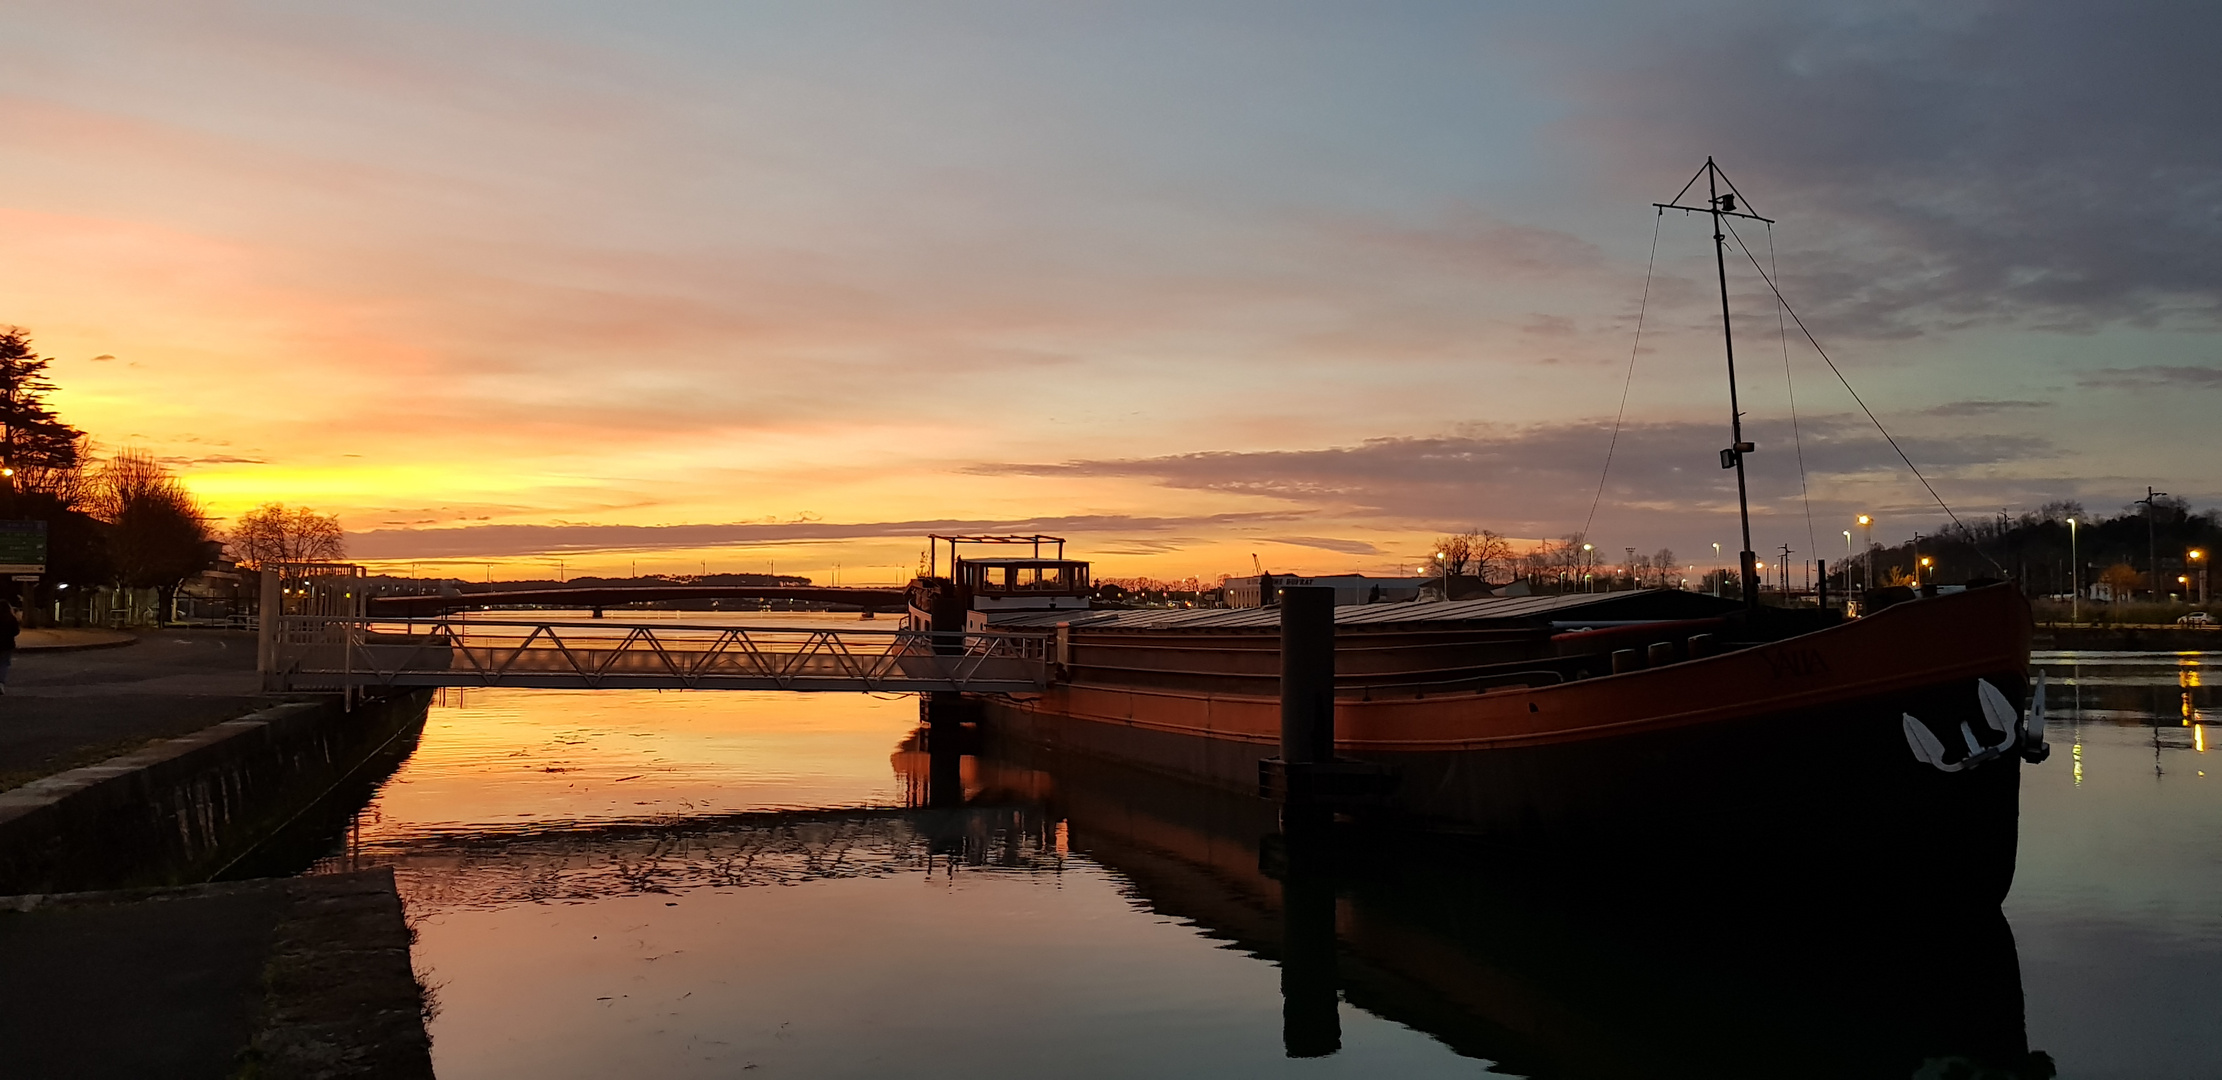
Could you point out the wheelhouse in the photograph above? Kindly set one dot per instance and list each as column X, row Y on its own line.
column 1024, row 584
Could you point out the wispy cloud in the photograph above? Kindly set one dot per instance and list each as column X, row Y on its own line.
column 2153, row 377
column 1983, row 408
column 503, row 541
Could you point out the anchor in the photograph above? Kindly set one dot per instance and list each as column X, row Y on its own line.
column 2000, row 716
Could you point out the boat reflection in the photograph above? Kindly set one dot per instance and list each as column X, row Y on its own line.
column 1542, row 974
column 1545, row 975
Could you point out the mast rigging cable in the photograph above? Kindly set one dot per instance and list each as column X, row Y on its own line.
column 1838, row 372
column 1805, row 491
column 1641, row 309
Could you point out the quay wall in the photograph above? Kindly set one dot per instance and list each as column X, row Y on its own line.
column 2127, row 638
column 180, row 810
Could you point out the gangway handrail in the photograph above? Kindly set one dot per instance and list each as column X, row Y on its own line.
column 362, row 649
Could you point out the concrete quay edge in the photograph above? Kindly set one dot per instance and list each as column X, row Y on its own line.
column 48, row 791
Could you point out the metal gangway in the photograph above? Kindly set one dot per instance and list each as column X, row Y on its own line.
column 351, row 652
column 316, row 634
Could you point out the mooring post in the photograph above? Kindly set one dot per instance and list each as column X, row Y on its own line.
column 945, row 708
column 1310, row 1026
column 1307, row 705
column 1307, row 675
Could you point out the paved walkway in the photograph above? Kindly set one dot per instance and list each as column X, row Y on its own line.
column 63, row 709
column 71, row 637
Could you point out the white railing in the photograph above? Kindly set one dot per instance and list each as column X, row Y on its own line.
column 342, row 652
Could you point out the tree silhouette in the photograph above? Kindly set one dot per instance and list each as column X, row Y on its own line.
column 270, row 533
column 157, row 534
column 33, row 441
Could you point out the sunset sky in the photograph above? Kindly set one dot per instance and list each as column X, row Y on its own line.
column 716, row 285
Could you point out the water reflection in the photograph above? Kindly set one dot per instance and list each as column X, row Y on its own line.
column 693, row 884
column 1547, row 975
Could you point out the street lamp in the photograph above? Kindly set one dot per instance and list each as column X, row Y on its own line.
column 2198, row 556
column 1589, row 562
column 1443, row 570
column 1716, row 568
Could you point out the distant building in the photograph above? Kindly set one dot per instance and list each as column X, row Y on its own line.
column 1350, row 589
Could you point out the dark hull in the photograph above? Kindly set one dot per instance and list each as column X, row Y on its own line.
column 1788, row 754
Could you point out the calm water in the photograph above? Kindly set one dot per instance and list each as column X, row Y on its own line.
column 712, row 884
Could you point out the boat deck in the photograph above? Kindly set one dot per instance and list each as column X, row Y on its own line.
column 1641, row 604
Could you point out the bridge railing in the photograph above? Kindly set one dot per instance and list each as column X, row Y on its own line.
column 343, row 652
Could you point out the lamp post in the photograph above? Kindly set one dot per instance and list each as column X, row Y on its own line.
column 1442, row 569
column 1867, row 536
column 2198, row 556
column 1847, row 562
column 2075, row 578
column 1716, row 568
column 1589, row 566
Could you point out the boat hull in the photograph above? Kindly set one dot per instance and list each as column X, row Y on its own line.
column 1780, row 751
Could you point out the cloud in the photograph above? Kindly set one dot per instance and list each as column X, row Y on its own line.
column 2154, row 377
column 183, row 462
column 1325, row 543
column 1540, row 480
column 2047, row 163
column 1983, row 408
column 471, row 541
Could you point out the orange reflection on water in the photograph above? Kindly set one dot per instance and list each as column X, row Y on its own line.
column 511, row 758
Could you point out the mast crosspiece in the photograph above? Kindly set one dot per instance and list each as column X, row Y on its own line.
column 1723, row 204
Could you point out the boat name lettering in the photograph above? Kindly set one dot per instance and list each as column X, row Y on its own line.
column 1797, row 663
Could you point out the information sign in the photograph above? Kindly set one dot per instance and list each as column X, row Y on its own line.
column 22, row 547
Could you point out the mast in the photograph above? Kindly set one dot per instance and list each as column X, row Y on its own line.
column 1735, row 413
column 1724, row 205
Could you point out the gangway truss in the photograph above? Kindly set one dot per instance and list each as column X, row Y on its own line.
column 351, row 652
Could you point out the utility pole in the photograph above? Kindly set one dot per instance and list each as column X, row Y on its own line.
column 2152, row 546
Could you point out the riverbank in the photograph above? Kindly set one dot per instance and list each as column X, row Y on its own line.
column 294, row 977
column 183, row 810
column 2133, row 638
column 70, row 707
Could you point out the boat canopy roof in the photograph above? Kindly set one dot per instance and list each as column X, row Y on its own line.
column 1024, row 561
column 1637, row 605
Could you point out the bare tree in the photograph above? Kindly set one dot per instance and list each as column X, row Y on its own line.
column 1491, row 553
column 1664, row 563
column 1539, row 561
column 1454, row 552
column 157, row 533
column 271, row 533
